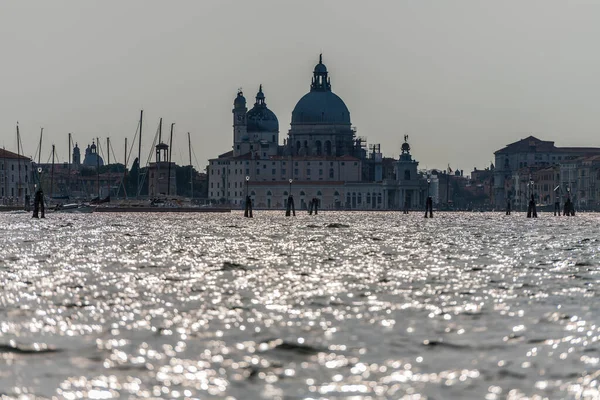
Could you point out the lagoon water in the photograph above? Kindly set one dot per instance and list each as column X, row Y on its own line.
column 335, row 306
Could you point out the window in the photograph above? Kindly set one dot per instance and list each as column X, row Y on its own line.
column 283, row 171
column 343, row 163
column 273, row 171
column 296, row 171
column 247, row 171
column 257, row 171
column 331, row 173
column 308, row 171
column 407, row 174
column 264, row 166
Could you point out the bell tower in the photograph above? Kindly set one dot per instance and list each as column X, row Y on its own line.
column 239, row 123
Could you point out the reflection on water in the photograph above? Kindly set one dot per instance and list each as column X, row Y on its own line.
column 339, row 305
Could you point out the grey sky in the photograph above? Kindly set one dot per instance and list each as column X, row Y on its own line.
column 462, row 78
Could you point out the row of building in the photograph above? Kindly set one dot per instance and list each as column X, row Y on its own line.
column 322, row 157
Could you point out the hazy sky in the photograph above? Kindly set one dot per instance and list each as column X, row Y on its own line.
column 462, row 78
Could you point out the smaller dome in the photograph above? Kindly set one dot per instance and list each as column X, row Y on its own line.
column 162, row 146
column 260, row 118
column 405, row 147
column 240, row 100
column 320, row 68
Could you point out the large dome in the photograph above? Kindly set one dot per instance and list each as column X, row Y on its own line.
column 320, row 106
column 260, row 118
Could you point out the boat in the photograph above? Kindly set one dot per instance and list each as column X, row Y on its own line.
column 73, row 208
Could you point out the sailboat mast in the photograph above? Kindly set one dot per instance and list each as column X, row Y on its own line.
column 39, row 157
column 140, row 154
column 170, row 152
column 52, row 174
column 108, row 163
column 125, row 170
column 4, row 166
column 98, row 166
column 19, row 163
column 40, row 152
column 191, row 167
column 69, row 166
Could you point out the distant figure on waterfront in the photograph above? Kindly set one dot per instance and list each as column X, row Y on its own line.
column 508, row 210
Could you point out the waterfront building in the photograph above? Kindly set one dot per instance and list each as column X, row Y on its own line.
column 16, row 172
column 322, row 155
column 517, row 161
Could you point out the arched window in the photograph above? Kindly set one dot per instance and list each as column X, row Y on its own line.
column 252, row 193
column 298, row 145
column 319, row 193
column 319, row 147
column 269, row 193
column 302, row 193
column 328, row 148
column 407, row 174
column 285, row 193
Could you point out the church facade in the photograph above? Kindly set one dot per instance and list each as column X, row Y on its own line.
column 322, row 157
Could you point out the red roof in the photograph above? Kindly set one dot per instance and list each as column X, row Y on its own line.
column 532, row 144
column 10, row 155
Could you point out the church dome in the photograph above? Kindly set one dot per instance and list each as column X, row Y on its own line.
column 260, row 118
column 321, row 106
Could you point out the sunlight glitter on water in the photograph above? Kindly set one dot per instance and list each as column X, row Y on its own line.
column 339, row 305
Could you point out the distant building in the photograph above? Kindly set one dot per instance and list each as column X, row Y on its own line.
column 160, row 183
column 92, row 158
column 515, row 162
column 16, row 174
column 76, row 156
column 322, row 156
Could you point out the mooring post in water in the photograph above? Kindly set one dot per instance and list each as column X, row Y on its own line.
column 248, row 205
column 569, row 208
column 428, row 202
column 311, row 204
column 429, row 207
column 289, row 208
column 508, row 207
column 557, row 201
column 316, row 205
column 531, row 211
column 38, row 203
column 405, row 211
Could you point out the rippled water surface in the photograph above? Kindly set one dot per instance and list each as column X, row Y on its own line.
column 339, row 305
